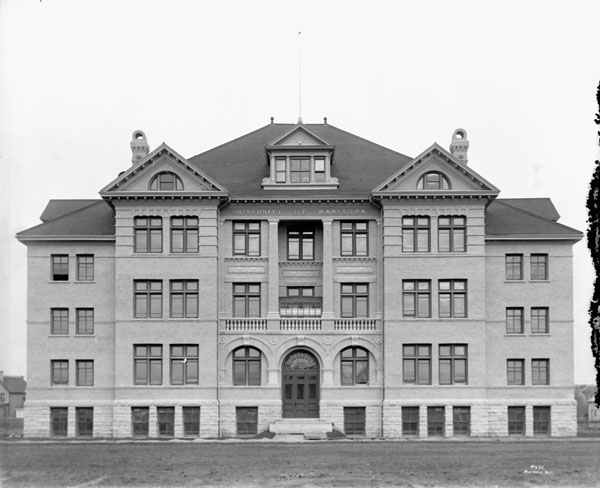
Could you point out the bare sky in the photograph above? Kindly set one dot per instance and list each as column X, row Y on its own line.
column 78, row 77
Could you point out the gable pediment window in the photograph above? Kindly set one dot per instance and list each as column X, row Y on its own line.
column 166, row 181
column 433, row 180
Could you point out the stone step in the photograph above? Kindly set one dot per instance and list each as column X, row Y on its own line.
column 316, row 428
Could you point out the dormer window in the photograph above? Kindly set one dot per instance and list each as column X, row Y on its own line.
column 166, row 181
column 433, row 180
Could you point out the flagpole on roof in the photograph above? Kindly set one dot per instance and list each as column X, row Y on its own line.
column 299, row 76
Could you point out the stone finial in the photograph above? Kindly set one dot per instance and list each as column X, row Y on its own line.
column 139, row 146
column 460, row 145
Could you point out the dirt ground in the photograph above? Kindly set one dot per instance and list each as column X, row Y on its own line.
column 324, row 463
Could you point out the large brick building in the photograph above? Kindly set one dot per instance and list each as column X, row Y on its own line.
column 300, row 279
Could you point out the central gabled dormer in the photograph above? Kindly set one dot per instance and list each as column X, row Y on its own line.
column 300, row 160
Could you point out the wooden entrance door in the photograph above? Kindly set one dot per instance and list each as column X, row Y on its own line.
column 300, row 386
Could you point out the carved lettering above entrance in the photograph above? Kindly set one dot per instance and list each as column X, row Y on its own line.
column 356, row 210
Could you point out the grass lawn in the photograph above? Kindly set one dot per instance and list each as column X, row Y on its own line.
column 325, row 463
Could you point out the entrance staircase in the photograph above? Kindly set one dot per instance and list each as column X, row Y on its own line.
column 308, row 428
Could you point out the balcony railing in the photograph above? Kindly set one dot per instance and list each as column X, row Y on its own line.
column 354, row 324
column 300, row 323
column 251, row 324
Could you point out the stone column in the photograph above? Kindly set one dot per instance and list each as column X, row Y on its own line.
column 273, row 285
column 327, row 311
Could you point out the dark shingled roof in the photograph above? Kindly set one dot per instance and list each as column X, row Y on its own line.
column 58, row 208
column 14, row 384
column 539, row 206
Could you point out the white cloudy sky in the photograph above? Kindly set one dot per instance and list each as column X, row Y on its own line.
column 77, row 77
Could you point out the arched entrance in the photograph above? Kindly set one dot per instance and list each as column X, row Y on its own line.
column 300, row 385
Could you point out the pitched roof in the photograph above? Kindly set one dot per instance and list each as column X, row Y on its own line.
column 14, row 384
column 539, row 206
column 58, row 208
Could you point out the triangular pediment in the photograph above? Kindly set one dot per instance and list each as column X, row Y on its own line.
column 141, row 178
column 459, row 179
column 299, row 135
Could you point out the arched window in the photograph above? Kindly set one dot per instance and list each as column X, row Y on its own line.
column 166, row 181
column 433, row 180
column 354, row 366
column 246, row 366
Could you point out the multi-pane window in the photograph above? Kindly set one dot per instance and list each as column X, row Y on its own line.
column 191, row 421
column 354, row 236
column 166, row 181
column 452, row 298
column 514, row 320
column 58, row 421
column 515, row 371
column 410, row 421
column 147, row 364
column 453, row 364
column 84, row 321
column 147, row 234
column 246, row 299
column 541, row 420
column 184, row 364
column 60, row 267
column 354, row 300
column 300, row 170
column 140, row 419
column 247, row 420
column 539, row 320
column 436, row 420
column 301, row 244
column 319, row 170
column 540, row 371
column 461, row 420
column 59, row 372
column 354, row 366
column 85, row 267
column 280, row 170
column 416, row 364
column 246, row 238
column 354, row 420
column 84, row 421
column 184, row 298
column 165, row 421
column 85, row 372
column 184, row 234
column 514, row 266
column 416, row 298
column 246, row 366
column 452, row 234
column 300, row 302
column 516, row 420
column 416, row 234
column 148, row 299
column 539, row 266
column 433, row 180
column 59, row 320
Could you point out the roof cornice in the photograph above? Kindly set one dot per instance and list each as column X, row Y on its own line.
column 27, row 238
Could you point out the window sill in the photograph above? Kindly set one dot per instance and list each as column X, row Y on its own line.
column 514, row 335
column 85, row 282
column 59, row 335
column 540, row 334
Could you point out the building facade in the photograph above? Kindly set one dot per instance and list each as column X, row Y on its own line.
column 300, row 279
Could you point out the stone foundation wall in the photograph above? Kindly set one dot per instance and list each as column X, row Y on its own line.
column 334, row 412
column 268, row 412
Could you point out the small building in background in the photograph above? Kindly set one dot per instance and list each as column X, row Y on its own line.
column 12, row 395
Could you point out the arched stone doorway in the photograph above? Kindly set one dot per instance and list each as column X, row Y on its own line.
column 300, row 385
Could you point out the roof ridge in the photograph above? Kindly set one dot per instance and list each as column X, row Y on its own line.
column 539, row 217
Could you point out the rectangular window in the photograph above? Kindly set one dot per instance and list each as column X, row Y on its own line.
column 514, row 320
column 59, row 319
column 280, row 170
column 246, row 238
column 247, row 420
column 85, row 372
column 60, row 372
column 461, row 420
column 184, row 298
column 416, row 364
column 516, row 420
column 184, row 234
column 354, row 239
column 140, row 420
column 165, row 420
column 452, row 234
column 514, row 266
column 416, row 234
column 191, row 421
column 85, row 267
column 147, row 364
column 540, row 371
column 60, row 267
column 354, row 420
column 541, row 420
column 246, row 366
column 58, row 421
column 540, row 323
column 148, row 299
column 436, row 421
column 147, row 234
column 416, row 298
column 410, row 421
column 539, row 266
column 453, row 364
column 85, row 321
column 246, row 299
column 85, row 421
column 453, row 298
column 515, row 371
column 301, row 244
column 319, row 170
column 300, row 170
column 300, row 302
column 184, row 364
column 354, row 300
